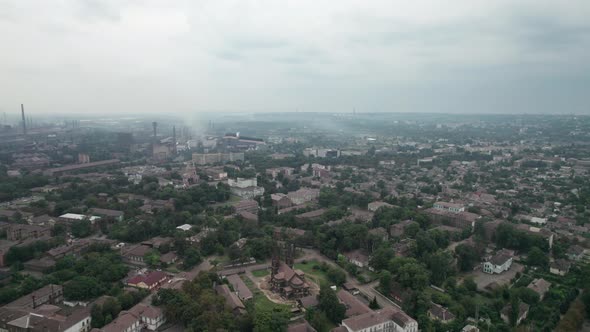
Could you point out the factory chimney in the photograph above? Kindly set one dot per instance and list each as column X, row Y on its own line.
column 22, row 110
column 174, row 139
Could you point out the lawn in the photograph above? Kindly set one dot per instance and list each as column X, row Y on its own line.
column 315, row 274
column 260, row 273
column 261, row 302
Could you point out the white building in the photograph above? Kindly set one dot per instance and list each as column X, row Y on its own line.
column 451, row 207
column 500, row 262
column 242, row 183
column 389, row 319
column 185, row 227
column 245, row 188
column 78, row 217
column 538, row 221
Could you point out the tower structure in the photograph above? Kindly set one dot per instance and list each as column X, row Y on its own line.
column 22, row 110
column 290, row 254
column 276, row 257
column 174, row 140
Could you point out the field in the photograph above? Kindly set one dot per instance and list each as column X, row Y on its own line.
column 315, row 274
column 261, row 302
column 261, row 273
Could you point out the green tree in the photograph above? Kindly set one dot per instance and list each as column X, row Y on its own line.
column 385, row 280
column 82, row 288
column 441, row 266
column 192, row 257
column 97, row 316
column 152, row 258
column 330, row 305
column 414, row 276
column 373, row 304
column 82, row 228
column 467, row 257
column 536, row 257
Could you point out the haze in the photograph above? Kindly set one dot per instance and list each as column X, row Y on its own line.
column 183, row 57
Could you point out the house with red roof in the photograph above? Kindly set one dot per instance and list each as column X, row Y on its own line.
column 148, row 281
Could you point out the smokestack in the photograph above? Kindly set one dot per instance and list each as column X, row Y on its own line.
column 155, row 125
column 174, row 138
column 22, row 110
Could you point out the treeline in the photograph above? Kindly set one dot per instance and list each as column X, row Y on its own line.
column 198, row 308
column 16, row 255
column 15, row 187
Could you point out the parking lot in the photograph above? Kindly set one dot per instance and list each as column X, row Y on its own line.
column 484, row 279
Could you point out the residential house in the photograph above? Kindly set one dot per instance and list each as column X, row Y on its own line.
column 42, row 264
column 158, row 241
column 248, row 205
column 380, row 233
column 169, row 258
column 398, row 230
column 50, row 294
column 280, row 201
column 20, row 232
column 440, row 313
column 274, row 172
column 126, row 322
column 461, row 219
column 136, row 254
column 451, row 207
column 46, row 318
column 308, row 302
column 148, row 281
column 523, row 310
column 374, row 206
column 44, row 220
column 249, row 216
column 560, row 267
column 354, row 307
column 358, row 258
column 74, row 248
column 303, row 195
column 231, row 299
column 301, row 327
column 311, row 215
column 576, row 252
column 242, row 291
column 151, row 317
column 540, row 286
column 108, row 214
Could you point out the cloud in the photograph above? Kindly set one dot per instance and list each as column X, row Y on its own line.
column 184, row 56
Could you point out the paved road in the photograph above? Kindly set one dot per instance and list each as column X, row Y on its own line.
column 366, row 289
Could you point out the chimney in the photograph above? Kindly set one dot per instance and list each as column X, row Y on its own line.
column 22, row 110
column 155, row 125
column 174, row 139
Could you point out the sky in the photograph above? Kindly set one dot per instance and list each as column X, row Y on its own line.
column 184, row 57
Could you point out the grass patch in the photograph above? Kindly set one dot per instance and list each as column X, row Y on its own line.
column 260, row 303
column 312, row 271
column 172, row 269
column 261, row 273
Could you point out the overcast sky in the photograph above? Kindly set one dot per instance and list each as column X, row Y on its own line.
column 465, row 56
